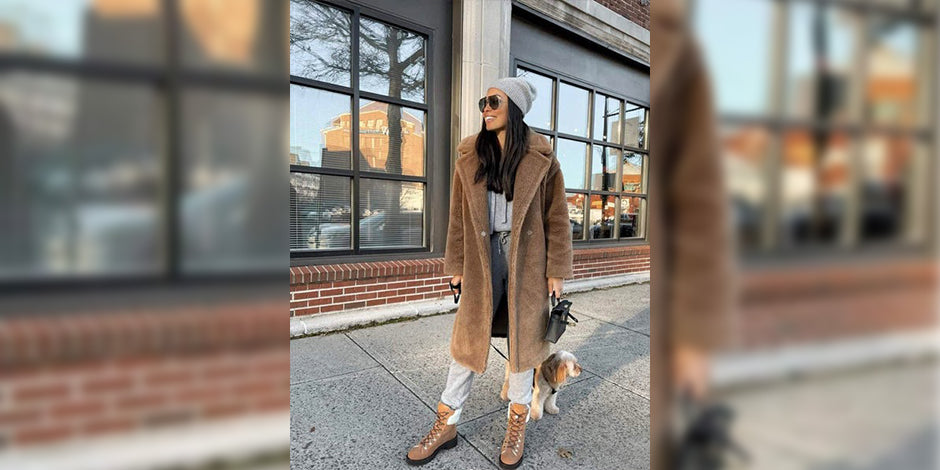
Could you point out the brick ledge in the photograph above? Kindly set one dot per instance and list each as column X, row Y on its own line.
column 357, row 271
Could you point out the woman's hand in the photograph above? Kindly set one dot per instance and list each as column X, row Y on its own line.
column 555, row 284
column 456, row 280
column 690, row 371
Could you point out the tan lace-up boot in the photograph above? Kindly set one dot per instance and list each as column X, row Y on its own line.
column 510, row 455
column 443, row 435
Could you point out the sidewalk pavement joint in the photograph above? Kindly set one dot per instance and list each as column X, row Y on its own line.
column 366, row 391
column 409, row 389
column 320, row 379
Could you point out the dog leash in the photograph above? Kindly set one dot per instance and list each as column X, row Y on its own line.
column 498, row 351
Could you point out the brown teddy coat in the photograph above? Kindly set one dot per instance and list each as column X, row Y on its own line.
column 540, row 247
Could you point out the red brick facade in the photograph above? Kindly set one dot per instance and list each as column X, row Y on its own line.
column 636, row 11
column 333, row 288
column 85, row 374
column 801, row 305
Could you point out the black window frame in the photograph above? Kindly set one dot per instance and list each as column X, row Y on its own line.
column 590, row 141
column 170, row 79
column 355, row 94
column 777, row 122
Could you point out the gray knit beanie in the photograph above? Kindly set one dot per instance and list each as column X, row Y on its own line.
column 519, row 91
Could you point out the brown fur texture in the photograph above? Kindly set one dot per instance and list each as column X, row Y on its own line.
column 540, row 248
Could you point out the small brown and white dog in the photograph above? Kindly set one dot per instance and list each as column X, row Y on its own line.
column 550, row 375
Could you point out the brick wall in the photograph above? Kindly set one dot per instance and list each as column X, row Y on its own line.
column 87, row 374
column 333, row 288
column 800, row 305
column 634, row 10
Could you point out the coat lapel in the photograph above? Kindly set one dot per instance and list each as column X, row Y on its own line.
column 531, row 170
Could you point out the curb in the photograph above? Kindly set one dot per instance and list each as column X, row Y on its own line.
column 730, row 370
column 191, row 444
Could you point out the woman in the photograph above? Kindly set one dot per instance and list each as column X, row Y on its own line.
column 509, row 246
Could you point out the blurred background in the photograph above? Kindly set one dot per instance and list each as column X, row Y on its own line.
column 828, row 121
column 142, row 288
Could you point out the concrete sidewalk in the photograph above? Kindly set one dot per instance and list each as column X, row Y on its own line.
column 361, row 398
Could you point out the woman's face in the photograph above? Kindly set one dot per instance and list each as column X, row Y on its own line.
column 496, row 119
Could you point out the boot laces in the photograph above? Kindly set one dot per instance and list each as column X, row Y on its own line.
column 439, row 424
column 514, row 430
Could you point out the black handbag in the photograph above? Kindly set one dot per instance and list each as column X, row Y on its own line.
column 558, row 319
column 705, row 441
column 455, row 288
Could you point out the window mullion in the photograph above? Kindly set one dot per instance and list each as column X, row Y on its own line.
column 773, row 165
column 354, row 137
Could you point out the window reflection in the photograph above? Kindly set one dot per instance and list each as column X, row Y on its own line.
column 391, row 138
column 576, row 215
column 604, row 168
column 892, row 185
column 632, row 173
column 320, row 212
column 540, row 115
column 847, row 156
column 602, row 210
column 606, row 118
column 586, row 115
column 226, row 220
column 631, row 217
column 82, row 29
column 816, row 179
column 892, row 89
column 740, row 68
column 745, row 152
column 391, row 61
column 85, row 175
column 392, row 214
column 232, row 35
column 634, row 119
column 572, row 110
column 572, row 156
column 320, row 128
column 320, row 42
column 821, row 72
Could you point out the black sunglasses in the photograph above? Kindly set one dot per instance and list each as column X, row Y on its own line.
column 492, row 100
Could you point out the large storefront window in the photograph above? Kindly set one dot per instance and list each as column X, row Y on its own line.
column 601, row 142
column 827, row 123
column 129, row 139
column 358, row 132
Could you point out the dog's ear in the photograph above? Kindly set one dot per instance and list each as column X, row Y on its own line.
column 557, row 369
column 561, row 373
column 550, row 368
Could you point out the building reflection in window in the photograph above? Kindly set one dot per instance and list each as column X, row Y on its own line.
column 601, row 215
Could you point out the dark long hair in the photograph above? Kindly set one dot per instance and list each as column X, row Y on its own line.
column 500, row 173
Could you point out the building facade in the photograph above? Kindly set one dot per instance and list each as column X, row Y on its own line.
column 382, row 92
column 829, row 121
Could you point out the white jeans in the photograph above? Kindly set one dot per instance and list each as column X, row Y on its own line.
column 459, row 379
